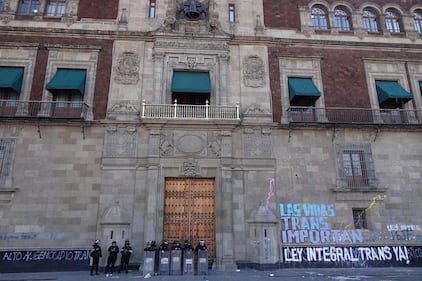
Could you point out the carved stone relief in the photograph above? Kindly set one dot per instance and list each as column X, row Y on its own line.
column 120, row 142
column 166, row 144
column 127, row 69
column 190, row 168
column 188, row 143
column 253, row 72
column 123, row 107
column 214, row 145
column 257, row 142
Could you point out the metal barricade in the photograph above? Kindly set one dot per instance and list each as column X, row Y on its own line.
column 149, row 263
column 188, row 257
column 164, row 263
column 202, row 262
column 176, row 262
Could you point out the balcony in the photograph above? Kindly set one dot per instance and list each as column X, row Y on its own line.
column 191, row 112
column 334, row 115
column 43, row 109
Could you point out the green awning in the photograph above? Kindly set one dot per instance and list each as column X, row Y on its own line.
column 391, row 90
column 11, row 78
column 191, row 82
column 68, row 79
column 303, row 87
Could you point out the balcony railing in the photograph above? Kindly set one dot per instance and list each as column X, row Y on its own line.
column 188, row 111
column 298, row 114
column 43, row 109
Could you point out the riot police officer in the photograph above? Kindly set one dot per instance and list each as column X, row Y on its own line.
column 113, row 250
column 126, row 252
column 95, row 256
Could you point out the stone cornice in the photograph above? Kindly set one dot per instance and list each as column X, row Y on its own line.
column 23, row 45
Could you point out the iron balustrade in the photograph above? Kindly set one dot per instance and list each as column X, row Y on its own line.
column 298, row 114
column 43, row 109
column 189, row 111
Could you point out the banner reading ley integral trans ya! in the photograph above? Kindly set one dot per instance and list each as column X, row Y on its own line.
column 356, row 256
column 43, row 260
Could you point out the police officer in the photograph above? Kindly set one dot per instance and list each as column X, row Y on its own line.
column 95, row 256
column 187, row 246
column 164, row 247
column 126, row 252
column 201, row 246
column 176, row 245
column 113, row 250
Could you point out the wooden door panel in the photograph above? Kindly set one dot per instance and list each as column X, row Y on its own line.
column 189, row 211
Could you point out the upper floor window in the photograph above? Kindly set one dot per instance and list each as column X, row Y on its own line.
column 370, row 21
column 68, row 88
column 392, row 21
column 28, row 7
column 341, row 19
column 232, row 13
column 356, row 167
column 319, row 18
column 55, row 8
column 1, row 5
column 152, row 7
column 417, row 16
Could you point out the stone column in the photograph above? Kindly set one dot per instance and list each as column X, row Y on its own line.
column 223, row 61
column 159, row 94
column 226, row 144
column 225, row 237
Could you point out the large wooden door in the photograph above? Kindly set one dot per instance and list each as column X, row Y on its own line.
column 189, row 212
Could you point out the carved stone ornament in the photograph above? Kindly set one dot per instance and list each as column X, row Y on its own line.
column 127, row 69
column 123, row 108
column 215, row 46
column 191, row 62
column 190, row 168
column 256, row 109
column 120, row 142
column 253, row 72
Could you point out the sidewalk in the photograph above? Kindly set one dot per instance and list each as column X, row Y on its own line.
column 316, row 274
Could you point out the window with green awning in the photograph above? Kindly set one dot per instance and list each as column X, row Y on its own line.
column 391, row 90
column 11, row 78
column 68, row 80
column 302, row 87
column 191, row 82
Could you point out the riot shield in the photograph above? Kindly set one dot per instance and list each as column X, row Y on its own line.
column 188, row 256
column 202, row 262
column 164, row 263
column 176, row 262
column 149, row 262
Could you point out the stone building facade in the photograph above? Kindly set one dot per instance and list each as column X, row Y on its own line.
column 280, row 132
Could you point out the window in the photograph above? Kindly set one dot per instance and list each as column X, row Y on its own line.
column 71, row 100
column 232, row 14
column 55, row 8
column 392, row 21
column 1, row 5
column 28, row 7
column 152, row 6
column 319, row 18
column 8, row 98
column 359, row 218
column 370, row 21
column 6, row 147
column 356, row 167
column 417, row 16
column 341, row 19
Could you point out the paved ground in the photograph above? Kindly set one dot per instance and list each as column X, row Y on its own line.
column 316, row 274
